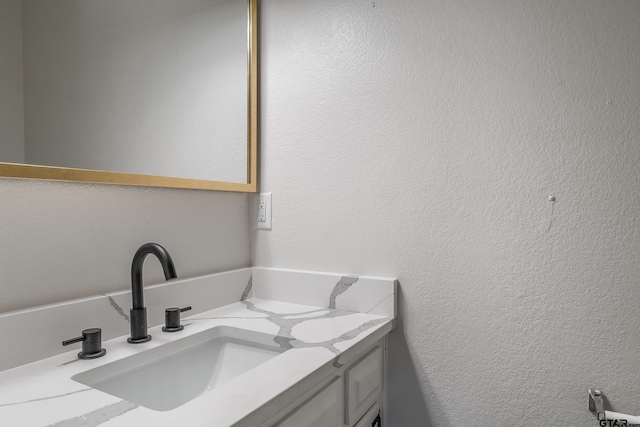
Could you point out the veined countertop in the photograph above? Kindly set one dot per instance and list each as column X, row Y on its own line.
column 317, row 341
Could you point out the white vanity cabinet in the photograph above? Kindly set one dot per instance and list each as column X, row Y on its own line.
column 351, row 397
column 322, row 410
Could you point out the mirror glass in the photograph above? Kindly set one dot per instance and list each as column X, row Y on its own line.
column 142, row 92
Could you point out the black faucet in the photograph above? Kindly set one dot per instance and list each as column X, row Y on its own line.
column 138, row 318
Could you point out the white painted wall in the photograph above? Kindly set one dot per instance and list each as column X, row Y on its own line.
column 422, row 140
column 61, row 241
column 145, row 86
column 11, row 105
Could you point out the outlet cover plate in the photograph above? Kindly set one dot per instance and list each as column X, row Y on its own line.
column 262, row 211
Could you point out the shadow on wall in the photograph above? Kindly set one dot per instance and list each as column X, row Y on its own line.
column 407, row 404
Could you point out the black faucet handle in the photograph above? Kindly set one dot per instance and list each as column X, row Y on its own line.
column 91, row 344
column 172, row 319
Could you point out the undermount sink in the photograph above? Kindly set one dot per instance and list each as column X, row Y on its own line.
column 172, row 374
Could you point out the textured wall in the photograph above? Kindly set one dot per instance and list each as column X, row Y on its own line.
column 11, row 106
column 422, row 140
column 60, row 241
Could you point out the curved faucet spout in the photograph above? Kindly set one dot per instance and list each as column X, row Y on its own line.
column 136, row 269
column 138, row 318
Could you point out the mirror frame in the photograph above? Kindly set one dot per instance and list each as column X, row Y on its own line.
column 25, row 171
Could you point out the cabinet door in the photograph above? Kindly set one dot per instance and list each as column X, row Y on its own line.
column 364, row 385
column 322, row 410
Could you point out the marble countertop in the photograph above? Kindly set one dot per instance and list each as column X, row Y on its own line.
column 317, row 341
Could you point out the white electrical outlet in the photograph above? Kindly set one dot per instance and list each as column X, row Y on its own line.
column 262, row 216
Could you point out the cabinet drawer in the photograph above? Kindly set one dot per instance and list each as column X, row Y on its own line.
column 369, row 417
column 322, row 410
column 363, row 385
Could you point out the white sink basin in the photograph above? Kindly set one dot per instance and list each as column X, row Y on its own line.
column 172, row 374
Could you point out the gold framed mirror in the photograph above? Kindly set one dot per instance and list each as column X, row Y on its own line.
column 185, row 157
